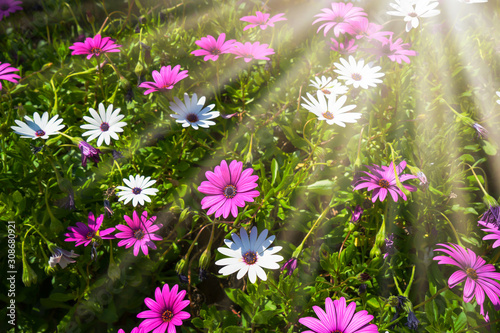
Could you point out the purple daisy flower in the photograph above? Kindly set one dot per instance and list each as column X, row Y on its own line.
column 290, row 266
column 382, row 181
column 262, row 20
column 339, row 318
column 89, row 152
column 166, row 312
column 229, row 188
column 6, row 70
column 356, row 213
column 165, row 79
column 95, row 46
column 494, row 233
column 138, row 233
column 491, row 216
column 83, row 234
column 7, row 7
column 478, row 275
column 249, row 51
column 212, row 48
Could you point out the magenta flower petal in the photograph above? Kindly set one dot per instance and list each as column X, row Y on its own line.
column 262, row 20
column 212, row 48
column 249, row 51
column 94, row 47
column 381, row 180
column 84, row 234
column 339, row 318
column 479, row 276
column 138, row 232
column 165, row 79
column 340, row 17
column 7, row 7
column 229, row 187
column 6, row 70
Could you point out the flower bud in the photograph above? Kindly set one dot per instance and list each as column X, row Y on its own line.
column 90, row 17
column 139, row 69
column 29, row 275
column 181, row 265
column 205, row 259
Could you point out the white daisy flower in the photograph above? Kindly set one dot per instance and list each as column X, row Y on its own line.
column 413, row 10
column 192, row 112
column 104, row 125
column 357, row 73
column 137, row 190
column 38, row 127
column 331, row 109
column 329, row 86
column 498, row 94
column 249, row 255
column 473, row 1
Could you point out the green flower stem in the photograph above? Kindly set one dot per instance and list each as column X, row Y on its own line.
column 487, row 198
column 452, row 228
column 432, row 297
column 297, row 251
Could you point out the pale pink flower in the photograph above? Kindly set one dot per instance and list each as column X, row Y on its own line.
column 339, row 17
column 262, row 20
column 249, row 51
column 346, row 47
column 165, row 79
column 212, row 48
column 362, row 28
column 396, row 51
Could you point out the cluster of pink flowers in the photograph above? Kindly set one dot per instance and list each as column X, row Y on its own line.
column 212, row 48
column 350, row 25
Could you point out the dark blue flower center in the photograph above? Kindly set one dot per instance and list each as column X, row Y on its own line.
column 229, row 191
column 384, row 183
column 90, row 235
column 250, row 257
column 138, row 234
column 96, row 50
column 471, row 272
column 328, row 115
column 356, row 77
column 136, row 190
column 192, row 118
column 215, row 51
column 39, row 133
column 104, row 127
column 167, row 316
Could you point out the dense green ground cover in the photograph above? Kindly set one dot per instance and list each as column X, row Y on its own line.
column 421, row 113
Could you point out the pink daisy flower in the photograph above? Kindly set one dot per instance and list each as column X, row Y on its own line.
column 346, row 47
column 95, row 46
column 229, row 188
column 83, row 234
column 396, row 51
column 165, row 311
column 262, row 20
column 339, row 17
column 339, row 318
column 382, row 181
column 165, row 79
column 249, row 51
column 9, row 6
column 6, row 73
column 138, row 233
column 213, row 48
column 134, row 330
column 479, row 276
column 494, row 233
column 362, row 28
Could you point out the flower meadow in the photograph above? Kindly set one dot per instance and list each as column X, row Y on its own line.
column 250, row 166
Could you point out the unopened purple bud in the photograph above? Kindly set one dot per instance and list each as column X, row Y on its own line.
column 89, row 152
column 492, row 216
column 423, row 179
column 183, row 278
column 61, row 257
column 481, row 132
column 290, row 266
column 202, row 275
column 412, row 322
column 356, row 213
column 107, row 208
column 116, row 155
